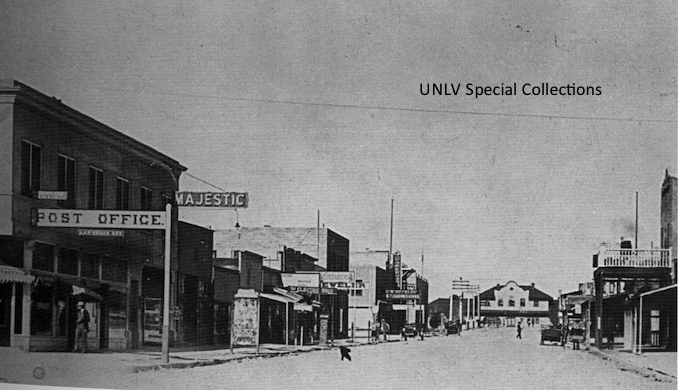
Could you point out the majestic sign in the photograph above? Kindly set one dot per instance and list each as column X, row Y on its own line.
column 102, row 219
column 402, row 294
column 300, row 280
column 211, row 199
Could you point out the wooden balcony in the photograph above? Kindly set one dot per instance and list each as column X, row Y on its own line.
column 635, row 258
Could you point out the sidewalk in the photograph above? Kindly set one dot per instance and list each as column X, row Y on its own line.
column 659, row 364
column 62, row 368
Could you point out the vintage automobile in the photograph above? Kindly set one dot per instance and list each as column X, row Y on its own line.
column 410, row 330
column 452, row 327
column 551, row 334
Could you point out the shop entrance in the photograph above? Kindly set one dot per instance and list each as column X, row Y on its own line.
column 5, row 312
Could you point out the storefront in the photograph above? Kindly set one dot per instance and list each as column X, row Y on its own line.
column 38, row 302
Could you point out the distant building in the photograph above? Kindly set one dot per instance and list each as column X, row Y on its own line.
column 511, row 303
column 295, row 250
column 669, row 214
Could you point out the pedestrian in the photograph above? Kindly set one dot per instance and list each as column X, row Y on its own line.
column 385, row 328
column 519, row 328
column 403, row 334
column 345, row 353
column 81, row 328
column 421, row 333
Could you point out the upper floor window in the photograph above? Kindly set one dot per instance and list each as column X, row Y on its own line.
column 500, row 302
column 146, row 198
column 122, row 194
column 31, row 164
column 536, row 303
column 522, row 302
column 511, row 303
column 66, row 180
column 96, row 189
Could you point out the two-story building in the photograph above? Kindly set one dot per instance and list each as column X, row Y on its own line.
column 511, row 303
column 53, row 157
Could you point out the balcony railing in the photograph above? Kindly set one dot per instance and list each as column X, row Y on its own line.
column 638, row 258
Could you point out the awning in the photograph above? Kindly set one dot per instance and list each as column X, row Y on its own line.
column 85, row 293
column 9, row 274
column 79, row 292
column 277, row 297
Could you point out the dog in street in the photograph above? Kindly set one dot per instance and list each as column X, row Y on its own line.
column 344, row 353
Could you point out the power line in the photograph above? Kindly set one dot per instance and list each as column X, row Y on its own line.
column 405, row 109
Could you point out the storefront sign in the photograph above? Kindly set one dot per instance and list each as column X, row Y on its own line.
column 343, row 285
column 313, row 290
column 101, row 232
column 211, row 199
column 300, row 280
column 402, row 294
column 336, row 277
column 103, row 219
column 51, row 195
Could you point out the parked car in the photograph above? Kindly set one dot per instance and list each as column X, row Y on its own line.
column 452, row 327
column 411, row 330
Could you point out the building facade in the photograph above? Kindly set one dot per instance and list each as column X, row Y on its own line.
column 512, row 303
column 322, row 248
column 56, row 158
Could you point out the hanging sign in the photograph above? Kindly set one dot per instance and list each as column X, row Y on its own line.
column 211, row 199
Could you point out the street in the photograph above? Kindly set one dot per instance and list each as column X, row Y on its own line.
column 479, row 359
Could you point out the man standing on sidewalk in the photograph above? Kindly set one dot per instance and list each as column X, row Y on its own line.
column 81, row 328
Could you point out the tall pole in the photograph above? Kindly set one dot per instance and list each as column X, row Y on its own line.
column 166, row 301
column 390, row 245
column 636, row 241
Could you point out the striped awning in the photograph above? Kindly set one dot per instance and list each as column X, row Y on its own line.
column 9, row 274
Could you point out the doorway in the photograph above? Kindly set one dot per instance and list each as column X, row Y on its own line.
column 5, row 313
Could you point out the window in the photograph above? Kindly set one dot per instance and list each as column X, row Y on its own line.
column 31, row 163
column 536, row 303
column 146, row 198
column 522, row 302
column 68, row 262
column 512, row 303
column 114, row 270
column 122, row 194
column 96, row 189
column 500, row 302
column 66, row 180
column 89, row 266
column 43, row 257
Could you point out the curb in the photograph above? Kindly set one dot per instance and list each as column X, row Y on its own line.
column 623, row 365
column 214, row 362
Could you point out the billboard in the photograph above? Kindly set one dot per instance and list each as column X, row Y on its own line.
column 300, row 280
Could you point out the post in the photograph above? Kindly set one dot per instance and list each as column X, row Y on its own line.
column 287, row 323
column 390, row 245
column 166, row 296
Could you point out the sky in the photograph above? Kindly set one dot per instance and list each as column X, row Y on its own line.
column 317, row 108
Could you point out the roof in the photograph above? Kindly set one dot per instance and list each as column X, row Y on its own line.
column 534, row 293
column 103, row 133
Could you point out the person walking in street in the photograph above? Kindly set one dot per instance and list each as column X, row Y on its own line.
column 519, row 328
column 385, row 328
column 81, row 328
